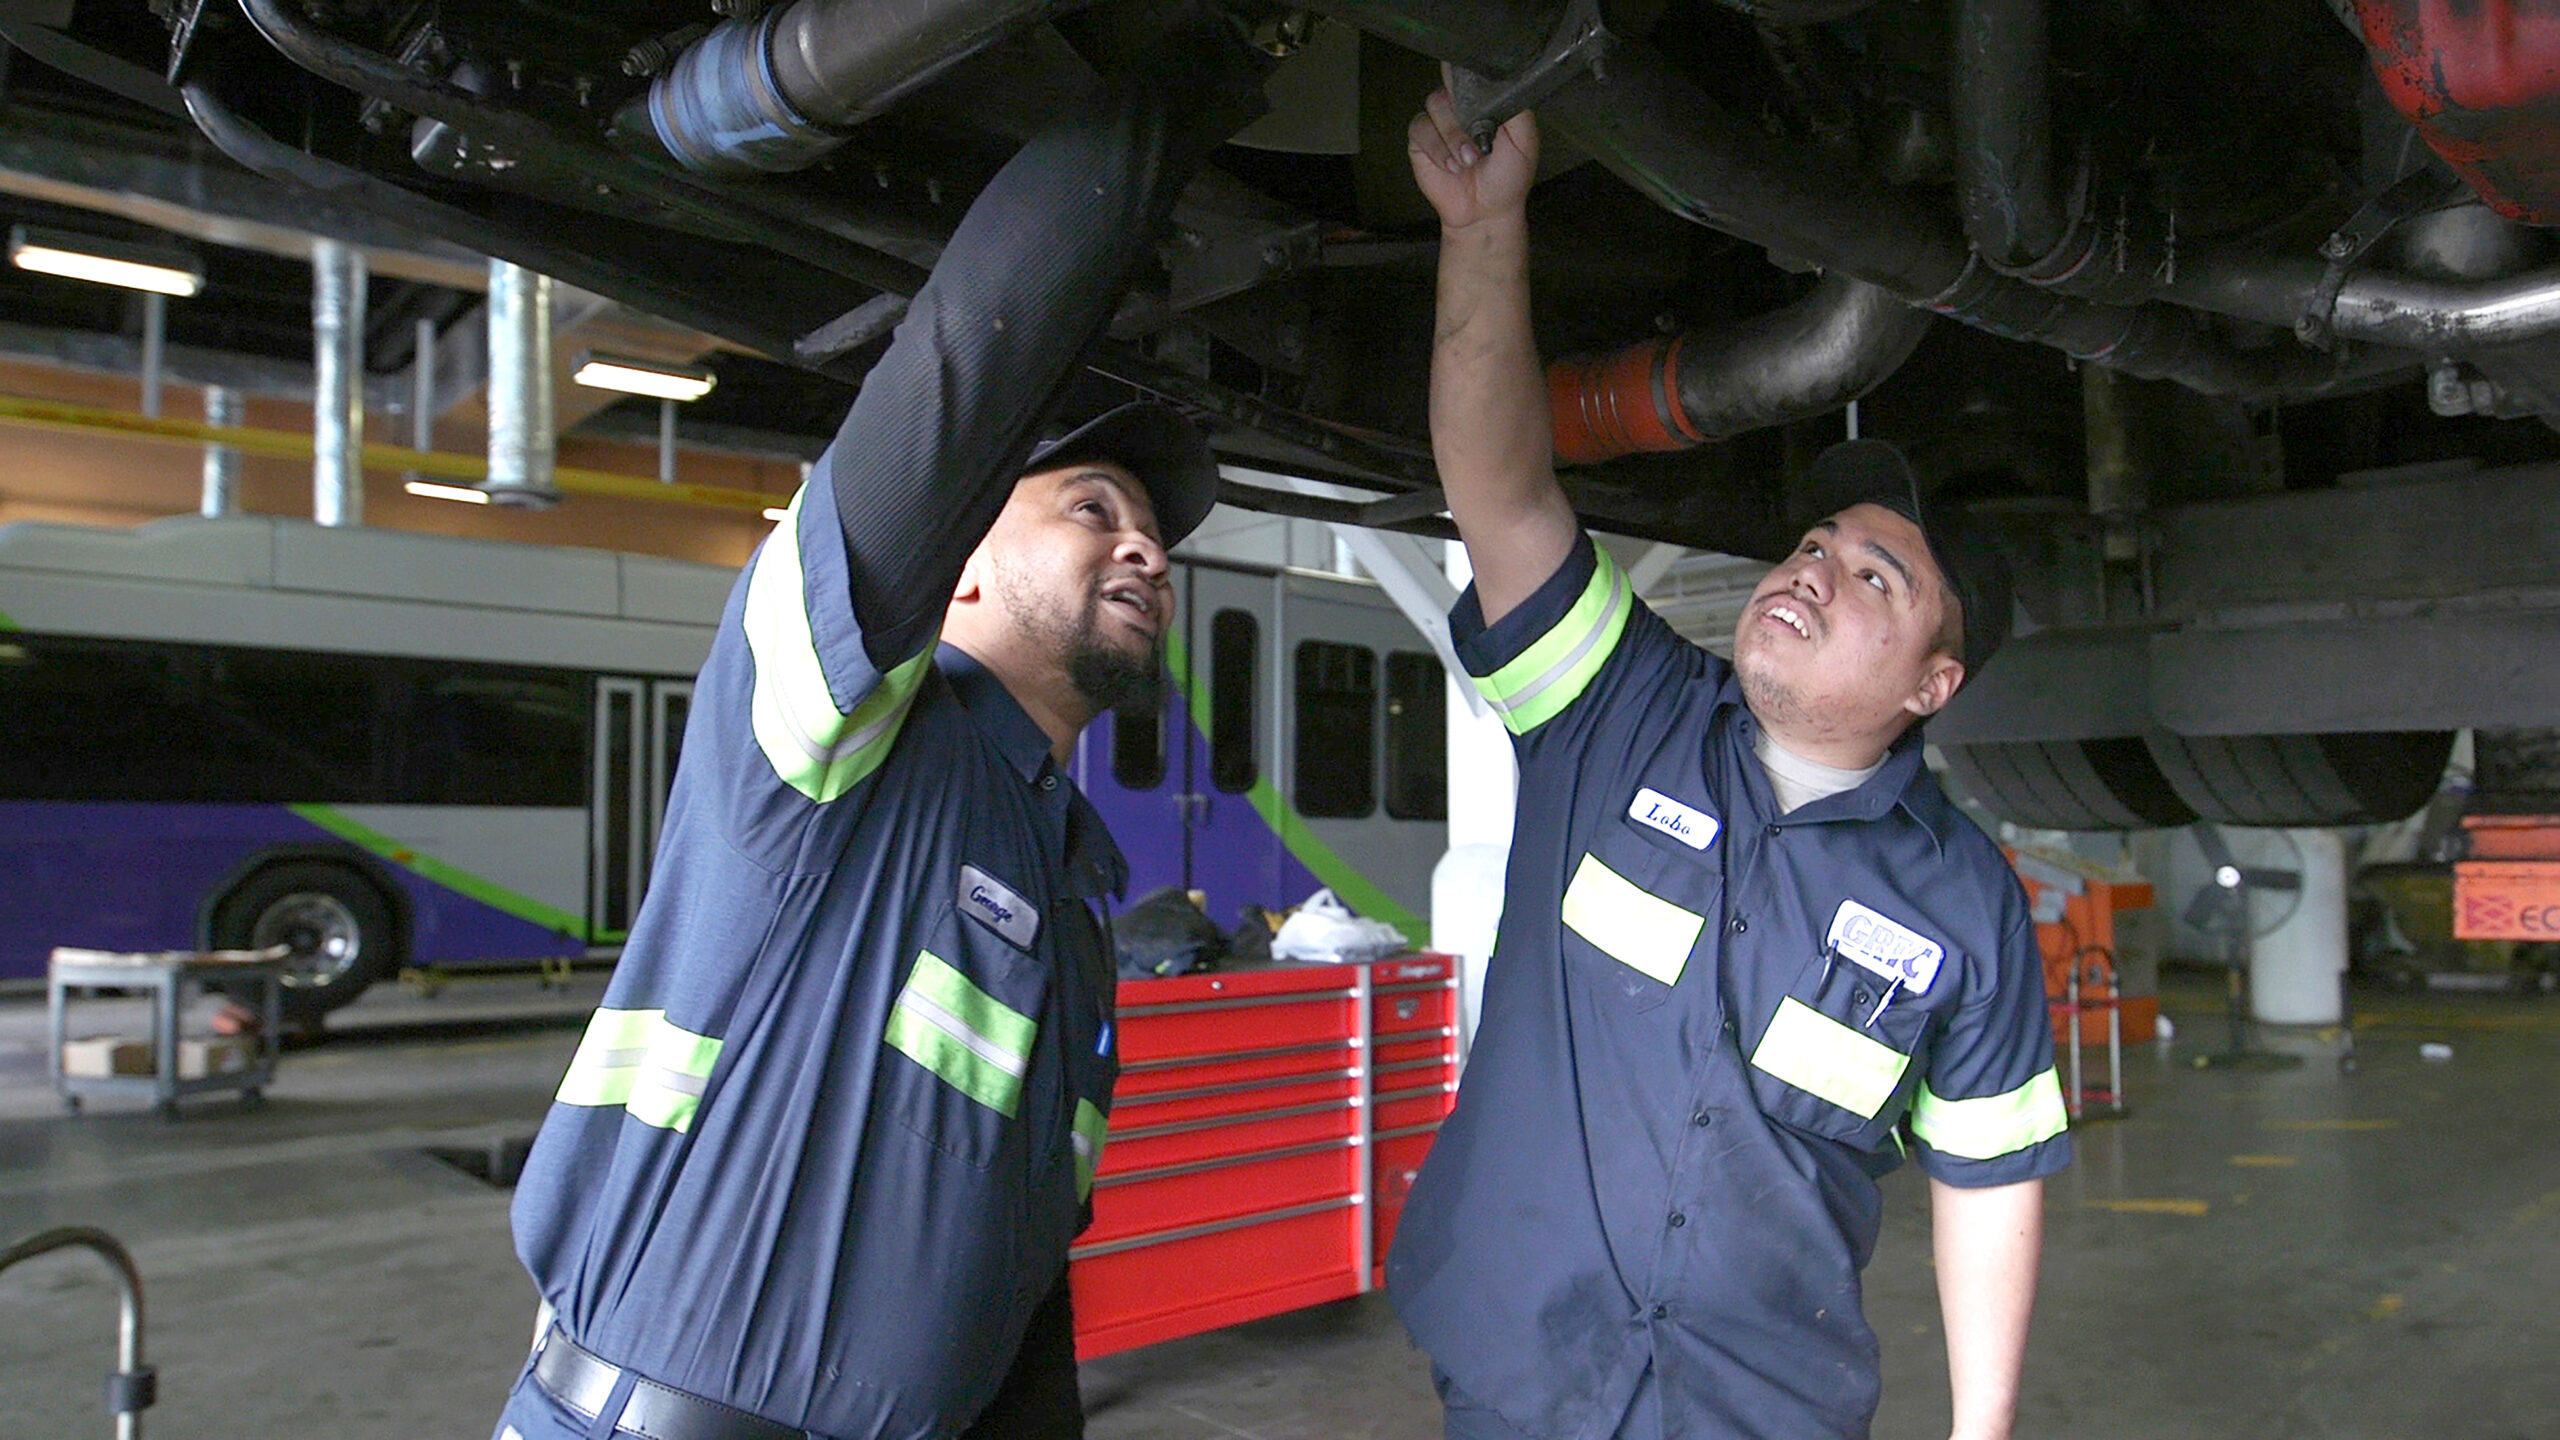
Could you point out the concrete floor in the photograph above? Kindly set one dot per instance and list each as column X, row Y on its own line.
column 2275, row 1255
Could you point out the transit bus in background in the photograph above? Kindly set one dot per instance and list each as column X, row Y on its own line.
column 384, row 749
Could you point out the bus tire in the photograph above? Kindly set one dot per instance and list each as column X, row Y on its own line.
column 342, row 931
column 2350, row 778
column 2069, row 784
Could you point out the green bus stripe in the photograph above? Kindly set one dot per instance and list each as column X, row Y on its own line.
column 453, row 877
column 1355, row 889
column 7, row 623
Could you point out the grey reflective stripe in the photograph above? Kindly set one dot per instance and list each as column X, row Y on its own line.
column 616, row 1059
column 930, row 1011
column 1575, row 664
column 667, row 1077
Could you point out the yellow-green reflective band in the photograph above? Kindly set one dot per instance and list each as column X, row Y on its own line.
column 669, row 1087
column 1554, row 671
column 609, row 1056
column 1631, row 925
column 1994, row 1125
column 1821, row 1056
column 948, row 1025
column 815, row 749
column 1091, row 1128
column 635, row 1059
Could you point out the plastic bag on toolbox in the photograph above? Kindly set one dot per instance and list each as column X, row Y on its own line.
column 1325, row 929
column 1165, row 934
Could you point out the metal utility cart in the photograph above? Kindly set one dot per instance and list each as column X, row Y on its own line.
column 254, row 976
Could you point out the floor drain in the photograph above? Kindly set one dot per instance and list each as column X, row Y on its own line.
column 497, row 1163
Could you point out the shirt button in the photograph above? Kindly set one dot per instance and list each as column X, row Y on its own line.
column 1702, row 1118
column 1773, row 828
column 1048, row 782
column 1661, row 1312
column 1678, row 1219
column 1740, row 925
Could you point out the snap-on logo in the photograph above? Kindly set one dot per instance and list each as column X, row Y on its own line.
column 997, row 906
column 1691, row 827
column 1892, row 950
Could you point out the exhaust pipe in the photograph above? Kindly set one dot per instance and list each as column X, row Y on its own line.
column 776, row 92
column 1805, row 359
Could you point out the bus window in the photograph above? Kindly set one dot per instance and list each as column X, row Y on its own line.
column 490, row 736
column 1137, row 747
column 1417, row 737
column 1337, row 758
column 1235, row 663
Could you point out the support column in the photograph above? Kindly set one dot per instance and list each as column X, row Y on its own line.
column 337, row 383
column 2294, row 968
column 222, row 406
column 522, row 440
column 155, row 350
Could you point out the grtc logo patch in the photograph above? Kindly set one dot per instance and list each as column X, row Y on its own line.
column 1892, row 950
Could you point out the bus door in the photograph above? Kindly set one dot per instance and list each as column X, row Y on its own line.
column 639, row 728
column 1231, row 852
column 1363, row 741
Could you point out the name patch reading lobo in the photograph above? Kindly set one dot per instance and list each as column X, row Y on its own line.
column 992, row 903
column 1693, row 828
column 1890, row 949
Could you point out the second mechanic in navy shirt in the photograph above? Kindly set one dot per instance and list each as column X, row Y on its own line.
column 1749, row 953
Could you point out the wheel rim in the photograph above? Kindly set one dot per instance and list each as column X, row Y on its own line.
column 318, row 930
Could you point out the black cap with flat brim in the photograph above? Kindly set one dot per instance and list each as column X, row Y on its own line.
column 1166, row 452
column 1873, row 472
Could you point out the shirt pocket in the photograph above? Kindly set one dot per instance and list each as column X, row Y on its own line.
column 1636, row 908
column 1837, row 1054
column 964, row 1026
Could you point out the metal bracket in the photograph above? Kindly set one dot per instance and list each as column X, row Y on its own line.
column 2416, row 191
column 1582, row 42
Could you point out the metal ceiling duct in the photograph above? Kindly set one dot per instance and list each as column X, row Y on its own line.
column 523, row 440
column 337, row 383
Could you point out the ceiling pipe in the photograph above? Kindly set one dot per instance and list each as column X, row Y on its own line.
column 777, row 91
column 1804, row 359
column 223, row 408
column 337, row 383
column 523, row 441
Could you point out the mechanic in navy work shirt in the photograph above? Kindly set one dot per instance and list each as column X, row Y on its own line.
column 815, row 1165
column 1747, row 945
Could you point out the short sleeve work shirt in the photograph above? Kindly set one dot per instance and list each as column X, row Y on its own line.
column 1707, row 1028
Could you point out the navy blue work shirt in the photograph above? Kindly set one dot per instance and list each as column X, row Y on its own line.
column 821, row 1152
column 1706, row 1029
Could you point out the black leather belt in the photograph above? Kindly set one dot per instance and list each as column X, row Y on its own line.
column 572, row 1375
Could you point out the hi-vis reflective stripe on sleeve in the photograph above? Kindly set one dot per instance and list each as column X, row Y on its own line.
column 1554, row 671
column 949, row 1026
column 1993, row 1125
column 635, row 1059
column 609, row 1055
column 816, row 749
column 1818, row 1054
column 1091, row 1127
column 1631, row 925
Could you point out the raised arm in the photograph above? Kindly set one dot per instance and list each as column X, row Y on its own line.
column 929, row 452
column 1987, row 1243
column 1490, row 431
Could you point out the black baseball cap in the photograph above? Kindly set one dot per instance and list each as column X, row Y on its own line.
column 1873, row 472
column 1166, row 452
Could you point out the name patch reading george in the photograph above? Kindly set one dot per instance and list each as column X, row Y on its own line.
column 1693, row 828
column 1890, row 949
column 994, row 904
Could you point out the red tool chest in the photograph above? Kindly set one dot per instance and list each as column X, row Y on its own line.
column 1267, row 1126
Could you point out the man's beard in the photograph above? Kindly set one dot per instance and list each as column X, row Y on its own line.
column 1107, row 676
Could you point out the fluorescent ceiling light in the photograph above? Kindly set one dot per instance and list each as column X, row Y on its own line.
column 433, row 491
column 776, row 512
column 164, row 270
column 642, row 377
